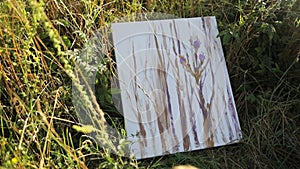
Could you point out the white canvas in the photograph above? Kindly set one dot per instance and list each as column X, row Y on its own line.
column 175, row 89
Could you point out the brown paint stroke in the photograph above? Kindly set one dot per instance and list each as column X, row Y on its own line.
column 206, row 117
column 177, row 37
column 142, row 132
column 192, row 114
column 206, row 107
column 185, row 136
column 149, row 115
column 209, row 123
column 167, row 113
column 159, row 118
column 161, row 85
column 167, row 93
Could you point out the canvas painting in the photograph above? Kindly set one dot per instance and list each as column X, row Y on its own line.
column 175, row 89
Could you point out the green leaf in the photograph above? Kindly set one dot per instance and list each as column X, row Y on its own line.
column 66, row 41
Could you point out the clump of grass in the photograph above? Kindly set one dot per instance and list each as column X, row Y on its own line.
column 33, row 95
column 38, row 124
column 39, row 42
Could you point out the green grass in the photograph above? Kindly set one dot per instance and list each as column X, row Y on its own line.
column 39, row 43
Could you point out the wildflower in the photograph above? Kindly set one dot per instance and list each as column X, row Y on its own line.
column 201, row 57
column 196, row 44
column 182, row 60
column 14, row 160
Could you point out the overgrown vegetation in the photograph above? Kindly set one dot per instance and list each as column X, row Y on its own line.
column 38, row 45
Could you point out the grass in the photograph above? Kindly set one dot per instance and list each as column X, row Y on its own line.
column 39, row 42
